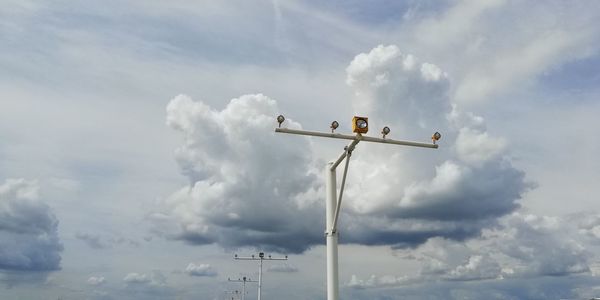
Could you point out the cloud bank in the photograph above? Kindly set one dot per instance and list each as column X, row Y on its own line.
column 249, row 187
column 522, row 246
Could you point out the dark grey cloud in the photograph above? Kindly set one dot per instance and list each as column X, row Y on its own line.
column 468, row 193
column 28, row 229
column 522, row 246
column 578, row 287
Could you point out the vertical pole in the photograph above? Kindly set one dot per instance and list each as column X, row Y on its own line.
column 332, row 237
column 260, row 277
column 244, row 289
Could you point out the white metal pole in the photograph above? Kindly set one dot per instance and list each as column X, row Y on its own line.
column 260, row 277
column 332, row 237
column 244, row 289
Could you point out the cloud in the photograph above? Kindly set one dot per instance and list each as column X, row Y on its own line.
column 91, row 240
column 488, row 52
column 459, row 192
column 522, row 246
column 283, row 268
column 147, row 286
column 376, row 281
column 96, row 281
column 28, row 229
column 137, row 278
column 249, row 187
column 156, row 278
column 477, row 267
column 546, row 245
column 474, row 182
column 391, row 84
column 97, row 242
column 200, row 270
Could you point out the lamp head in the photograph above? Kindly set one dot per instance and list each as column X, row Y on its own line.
column 280, row 119
column 385, row 131
column 334, row 126
column 360, row 124
column 436, row 137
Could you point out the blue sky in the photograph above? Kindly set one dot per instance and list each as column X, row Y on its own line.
column 137, row 151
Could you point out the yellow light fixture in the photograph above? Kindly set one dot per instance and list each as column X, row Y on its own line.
column 436, row 137
column 360, row 124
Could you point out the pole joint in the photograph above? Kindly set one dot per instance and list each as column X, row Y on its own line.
column 330, row 233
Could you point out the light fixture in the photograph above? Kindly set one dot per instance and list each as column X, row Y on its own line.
column 385, row 131
column 280, row 120
column 436, row 137
column 360, row 124
column 334, row 126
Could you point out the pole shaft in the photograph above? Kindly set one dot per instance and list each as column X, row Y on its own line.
column 244, row 289
column 332, row 238
column 260, row 278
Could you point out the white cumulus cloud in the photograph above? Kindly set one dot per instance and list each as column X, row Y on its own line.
column 96, row 280
column 249, row 187
column 200, row 270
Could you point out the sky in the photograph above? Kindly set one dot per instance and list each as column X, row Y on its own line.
column 138, row 152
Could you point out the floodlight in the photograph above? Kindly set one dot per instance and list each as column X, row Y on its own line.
column 385, row 131
column 334, row 126
column 436, row 137
column 280, row 119
column 360, row 124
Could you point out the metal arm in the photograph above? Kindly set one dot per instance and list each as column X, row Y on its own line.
column 241, row 280
column 352, row 137
column 348, row 152
column 258, row 258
